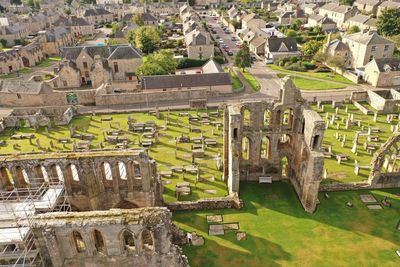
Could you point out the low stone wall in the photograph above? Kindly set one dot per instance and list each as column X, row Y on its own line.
column 351, row 187
column 363, row 109
column 207, row 204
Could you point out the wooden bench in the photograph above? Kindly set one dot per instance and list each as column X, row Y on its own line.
column 265, row 180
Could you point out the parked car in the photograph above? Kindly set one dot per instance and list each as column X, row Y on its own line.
column 233, row 38
column 221, row 41
column 230, row 53
column 217, row 37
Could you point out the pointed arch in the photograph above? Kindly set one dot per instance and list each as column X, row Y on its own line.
column 105, row 171
column 128, row 241
column 122, row 170
column 265, row 148
column 245, row 148
column 147, row 240
column 79, row 243
column 98, row 241
column 246, row 116
column 267, row 118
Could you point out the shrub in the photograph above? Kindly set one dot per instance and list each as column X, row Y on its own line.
column 308, row 65
column 219, row 59
column 296, row 67
column 191, row 63
column 294, row 59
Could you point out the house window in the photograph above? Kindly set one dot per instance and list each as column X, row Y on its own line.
column 116, row 66
column 85, row 66
column 373, row 48
column 87, row 75
column 18, row 96
column 371, row 58
column 386, row 48
column 65, row 83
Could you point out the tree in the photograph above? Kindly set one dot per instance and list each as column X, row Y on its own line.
column 16, row 2
column 130, row 36
column 317, row 29
column 147, row 39
column 67, row 11
column 68, row 2
column 115, row 27
column 159, row 63
column 3, row 43
column 310, row 48
column 138, row 19
column 291, row 33
column 336, row 62
column 388, row 23
column 297, row 23
column 243, row 58
column 353, row 29
column 347, row 2
column 320, row 56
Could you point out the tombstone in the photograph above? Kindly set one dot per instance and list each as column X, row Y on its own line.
column 327, row 115
column 351, row 116
column 338, row 126
column 325, row 174
column 356, row 167
column 38, row 142
column 64, row 146
column 336, row 135
column 157, row 113
column 327, row 125
column 339, row 160
column 323, row 108
column 337, row 110
column 51, row 144
column 333, row 119
column 346, row 109
column 354, row 148
column 347, row 124
column 319, row 104
column 71, row 131
column 30, row 141
column 344, row 138
column 343, row 143
column 389, row 118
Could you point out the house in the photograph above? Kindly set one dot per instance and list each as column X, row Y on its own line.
column 363, row 22
column 247, row 18
column 78, row 26
column 247, row 35
column 30, row 54
column 256, row 23
column 368, row 6
column 10, row 61
column 338, row 49
column 383, row 72
column 338, row 13
column 95, row 65
column 233, row 12
column 53, row 40
column 364, row 47
column 276, row 48
column 311, row 8
column 325, row 23
column 14, row 32
column 97, row 15
column 149, row 19
column 257, row 45
column 183, row 9
column 199, row 44
column 387, row 5
column 288, row 17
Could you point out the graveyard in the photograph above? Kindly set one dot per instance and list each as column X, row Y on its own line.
column 295, row 237
column 348, row 160
column 187, row 154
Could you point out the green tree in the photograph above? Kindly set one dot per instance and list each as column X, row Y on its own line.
column 147, row 39
column 320, row 56
column 115, row 27
column 3, row 43
column 336, row 62
column 16, row 2
column 67, row 11
column 317, row 29
column 311, row 47
column 353, row 29
column 388, row 23
column 159, row 63
column 243, row 57
column 347, row 2
column 130, row 36
column 291, row 33
column 138, row 19
column 68, row 2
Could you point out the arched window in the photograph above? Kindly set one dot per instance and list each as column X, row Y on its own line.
column 245, row 148
column 315, row 145
column 59, row 173
column 6, row 179
column 135, row 167
column 128, row 241
column 265, row 148
column 284, row 166
column 147, row 240
column 122, row 170
column 246, row 117
column 78, row 241
column 288, row 117
column 105, row 169
column 267, row 118
column 98, row 240
column 72, row 172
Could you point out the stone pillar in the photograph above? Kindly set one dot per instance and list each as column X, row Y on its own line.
column 116, row 176
column 52, row 249
column 146, row 177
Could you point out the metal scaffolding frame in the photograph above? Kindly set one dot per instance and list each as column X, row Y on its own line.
column 17, row 209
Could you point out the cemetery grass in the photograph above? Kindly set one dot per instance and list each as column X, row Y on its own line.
column 163, row 153
column 311, row 85
column 281, row 233
column 345, row 171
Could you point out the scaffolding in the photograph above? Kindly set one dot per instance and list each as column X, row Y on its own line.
column 17, row 208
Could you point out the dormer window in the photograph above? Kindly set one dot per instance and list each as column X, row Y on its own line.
column 373, row 48
column 386, row 48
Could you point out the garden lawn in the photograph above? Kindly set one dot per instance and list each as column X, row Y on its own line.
column 251, row 80
column 281, row 233
column 311, row 85
column 329, row 76
column 163, row 152
column 345, row 171
column 237, row 85
column 15, row 74
column 48, row 62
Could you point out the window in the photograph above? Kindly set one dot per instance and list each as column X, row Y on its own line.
column 373, row 48
column 78, row 241
column 116, row 66
column 98, row 240
column 87, row 75
column 18, row 96
column 386, row 48
column 85, row 65
column 371, row 58
column 65, row 83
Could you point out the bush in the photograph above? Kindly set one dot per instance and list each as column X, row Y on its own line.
column 219, row 59
column 308, row 65
column 295, row 67
column 191, row 63
column 294, row 59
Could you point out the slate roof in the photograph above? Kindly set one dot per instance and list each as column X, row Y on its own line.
column 384, row 63
column 367, row 38
column 96, row 12
column 274, row 44
column 211, row 67
column 125, row 52
column 389, row 4
column 337, row 45
column 186, row 80
column 256, row 42
column 359, row 18
column 197, row 37
column 149, row 17
column 21, row 87
column 336, row 8
column 368, row 2
column 71, row 22
column 112, row 51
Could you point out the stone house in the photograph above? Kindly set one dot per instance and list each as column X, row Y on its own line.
column 247, row 18
column 366, row 46
column 387, row 5
column 338, row 49
column 78, row 26
column 326, row 24
column 383, row 72
column 30, row 54
column 95, row 65
column 199, row 44
column 233, row 13
column 53, row 40
column 311, row 8
column 149, row 19
column 363, row 22
column 276, row 48
column 10, row 61
column 257, row 45
column 97, row 15
column 368, row 6
column 256, row 24
column 288, row 17
column 13, row 32
column 338, row 13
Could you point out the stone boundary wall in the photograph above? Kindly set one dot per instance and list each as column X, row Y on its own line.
column 363, row 109
column 351, row 187
column 207, row 204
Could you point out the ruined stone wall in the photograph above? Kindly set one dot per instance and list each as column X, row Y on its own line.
column 206, row 204
column 93, row 180
column 135, row 237
column 261, row 135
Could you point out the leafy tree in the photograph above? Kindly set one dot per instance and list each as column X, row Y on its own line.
column 310, row 48
column 159, row 63
column 298, row 23
column 336, row 62
column 347, row 2
column 116, row 27
column 138, row 19
column 320, row 56
column 353, row 29
column 291, row 33
column 127, row 1
column 3, row 43
column 317, row 29
column 388, row 23
column 68, row 2
column 16, row 2
column 67, row 11
column 147, row 39
column 130, row 36
column 243, row 57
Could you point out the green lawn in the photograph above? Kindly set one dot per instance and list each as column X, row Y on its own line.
column 320, row 75
column 311, row 85
column 237, row 85
column 281, row 233
column 251, row 80
column 16, row 73
column 163, row 152
column 48, row 62
column 345, row 171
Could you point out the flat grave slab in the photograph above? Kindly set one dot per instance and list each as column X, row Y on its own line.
column 216, row 229
column 210, row 191
column 231, row 226
column 368, row 198
column 240, row 236
column 214, row 218
column 374, row 207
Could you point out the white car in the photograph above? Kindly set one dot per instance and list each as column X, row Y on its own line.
column 221, row 41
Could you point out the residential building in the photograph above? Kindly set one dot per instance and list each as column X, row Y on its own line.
column 338, row 49
column 363, row 22
column 199, row 44
column 288, row 17
column 78, row 26
column 391, row 4
column 97, row 15
column 257, row 45
column 368, row 6
column 14, row 33
column 276, row 48
column 149, row 19
column 383, row 72
column 53, row 40
column 326, row 24
column 338, row 13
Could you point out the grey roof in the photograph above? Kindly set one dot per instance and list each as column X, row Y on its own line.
column 71, row 22
column 21, row 87
column 326, row 20
column 336, row 8
column 256, row 42
column 56, row 33
column 390, row 4
column 274, row 44
column 186, row 80
column 367, row 38
column 384, row 63
column 121, row 51
column 16, row 28
column 337, row 45
column 149, row 17
column 368, row 2
column 96, row 12
column 359, row 18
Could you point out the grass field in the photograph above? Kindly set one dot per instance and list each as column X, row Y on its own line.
column 163, row 152
column 48, row 62
column 281, row 233
column 308, row 84
column 320, row 75
column 16, row 73
column 345, row 171
column 251, row 80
